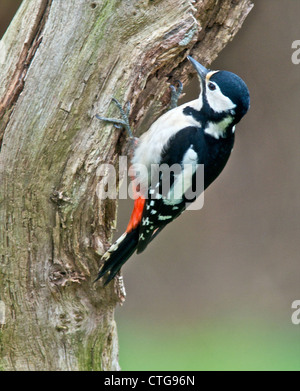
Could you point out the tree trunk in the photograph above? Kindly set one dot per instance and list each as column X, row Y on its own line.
column 61, row 62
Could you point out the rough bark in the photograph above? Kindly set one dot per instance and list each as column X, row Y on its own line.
column 63, row 62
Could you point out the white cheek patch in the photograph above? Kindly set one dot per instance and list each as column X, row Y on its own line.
column 217, row 101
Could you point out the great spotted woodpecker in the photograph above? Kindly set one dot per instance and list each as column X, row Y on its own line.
column 200, row 132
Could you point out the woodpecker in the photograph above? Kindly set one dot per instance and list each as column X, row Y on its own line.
column 196, row 133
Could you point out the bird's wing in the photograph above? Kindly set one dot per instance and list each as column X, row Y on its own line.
column 157, row 213
column 166, row 195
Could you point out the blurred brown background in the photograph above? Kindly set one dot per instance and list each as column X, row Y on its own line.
column 239, row 256
column 7, row 11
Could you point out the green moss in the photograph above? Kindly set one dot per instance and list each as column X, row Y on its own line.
column 89, row 355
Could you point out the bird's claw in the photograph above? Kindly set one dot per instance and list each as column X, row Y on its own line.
column 119, row 123
column 175, row 94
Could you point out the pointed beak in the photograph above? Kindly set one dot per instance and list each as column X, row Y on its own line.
column 201, row 70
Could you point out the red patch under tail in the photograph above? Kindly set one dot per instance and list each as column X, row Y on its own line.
column 137, row 214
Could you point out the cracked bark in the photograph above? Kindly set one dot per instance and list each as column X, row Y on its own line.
column 62, row 64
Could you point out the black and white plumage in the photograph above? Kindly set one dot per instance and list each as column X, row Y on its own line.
column 198, row 132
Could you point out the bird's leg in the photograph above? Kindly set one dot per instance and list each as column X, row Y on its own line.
column 175, row 95
column 120, row 123
column 123, row 124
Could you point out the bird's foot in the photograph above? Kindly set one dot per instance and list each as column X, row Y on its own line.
column 175, row 94
column 120, row 123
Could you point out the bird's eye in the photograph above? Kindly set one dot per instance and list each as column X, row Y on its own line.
column 212, row 86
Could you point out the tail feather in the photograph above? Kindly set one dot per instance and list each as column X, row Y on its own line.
column 125, row 246
column 118, row 254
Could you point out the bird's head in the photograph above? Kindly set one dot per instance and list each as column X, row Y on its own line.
column 223, row 93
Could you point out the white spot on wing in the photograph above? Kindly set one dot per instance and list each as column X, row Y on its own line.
column 145, row 221
column 162, row 218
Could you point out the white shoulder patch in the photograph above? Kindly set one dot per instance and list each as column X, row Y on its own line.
column 183, row 181
column 190, row 157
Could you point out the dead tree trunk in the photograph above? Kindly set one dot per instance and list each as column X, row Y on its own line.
column 61, row 62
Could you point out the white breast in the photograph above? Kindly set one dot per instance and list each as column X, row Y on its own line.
column 152, row 142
